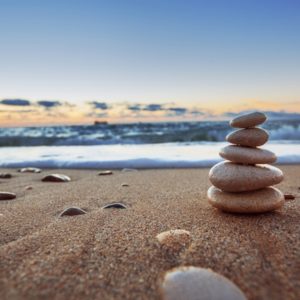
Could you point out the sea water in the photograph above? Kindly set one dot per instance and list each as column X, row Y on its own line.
column 140, row 145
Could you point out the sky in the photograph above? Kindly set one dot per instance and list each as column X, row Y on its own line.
column 76, row 61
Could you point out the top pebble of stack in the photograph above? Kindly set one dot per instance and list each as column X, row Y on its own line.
column 248, row 120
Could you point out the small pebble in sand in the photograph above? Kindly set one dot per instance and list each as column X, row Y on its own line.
column 115, row 205
column 124, row 184
column 107, row 172
column 129, row 170
column 5, row 175
column 72, row 211
column 30, row 170
column 289, row 197
column 56, row 178
column 174, row 240
column 7, row 196
column 27, row 188
column 191, row 283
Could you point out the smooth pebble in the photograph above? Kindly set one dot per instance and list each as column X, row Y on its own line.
column 250, row 137
column 30, row 170
column 103, row 173
column 231, row 177
column 56, row 178
column 7, row 196
column 72, row 211
column 247, row 155
column 248, row 120
column 192, row 283
column 174, row 240
column 5, row 175
column 259, row 201
column 289, row 197
column 115, row 205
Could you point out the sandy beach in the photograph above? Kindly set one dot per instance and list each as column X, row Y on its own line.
column 113, row 253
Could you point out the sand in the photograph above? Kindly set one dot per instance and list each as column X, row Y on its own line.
column 113, row 253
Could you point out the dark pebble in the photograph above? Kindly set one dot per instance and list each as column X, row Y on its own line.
column 107, row 172
column 289, row 197
column 7, row 196
column 5, row 175
column 124, row 184
column 115, row 205
column 56, row 178
column 72, row 211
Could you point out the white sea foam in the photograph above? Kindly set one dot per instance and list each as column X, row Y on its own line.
column 168, row 155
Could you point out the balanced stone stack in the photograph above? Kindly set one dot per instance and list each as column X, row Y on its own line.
column 244, row 182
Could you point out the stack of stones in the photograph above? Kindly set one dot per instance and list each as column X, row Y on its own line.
column 243, row 183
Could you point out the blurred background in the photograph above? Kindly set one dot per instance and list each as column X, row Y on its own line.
column 139, row 83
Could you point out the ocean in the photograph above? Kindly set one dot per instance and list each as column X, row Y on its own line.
column 138, row 145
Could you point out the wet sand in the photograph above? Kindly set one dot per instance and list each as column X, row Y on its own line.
column 113, row 253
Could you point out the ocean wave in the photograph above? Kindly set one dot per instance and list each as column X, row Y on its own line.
column 139, row 133
column 170, row 155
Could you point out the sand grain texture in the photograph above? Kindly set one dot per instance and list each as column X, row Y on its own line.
column 113, row 253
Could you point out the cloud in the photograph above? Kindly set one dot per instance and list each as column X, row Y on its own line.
column 196, row 112
column 48, row 103
column 169, row 111
column 20, row 111
column 149, row 107
column 136, row 107
column 15, row 102
column 153, row 107
column 96, row 115
column 178, row 111
column 99, row 105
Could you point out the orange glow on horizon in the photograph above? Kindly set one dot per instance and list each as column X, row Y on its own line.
column 66, row 114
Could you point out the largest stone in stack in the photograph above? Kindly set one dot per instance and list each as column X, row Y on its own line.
column 244, row 182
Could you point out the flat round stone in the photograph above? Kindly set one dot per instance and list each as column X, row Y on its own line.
column 289, row 197
column 56, row 178
column 30, row 170
column 175, row 240
column 118, row 205
column 7, row 196
column 259, row 201
column 72, row 211
column 107, row 172
column 248, row 120
column 5, row 175
column 231, row 177
column 191, row 283
column 247, row 155
column 251, row 137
